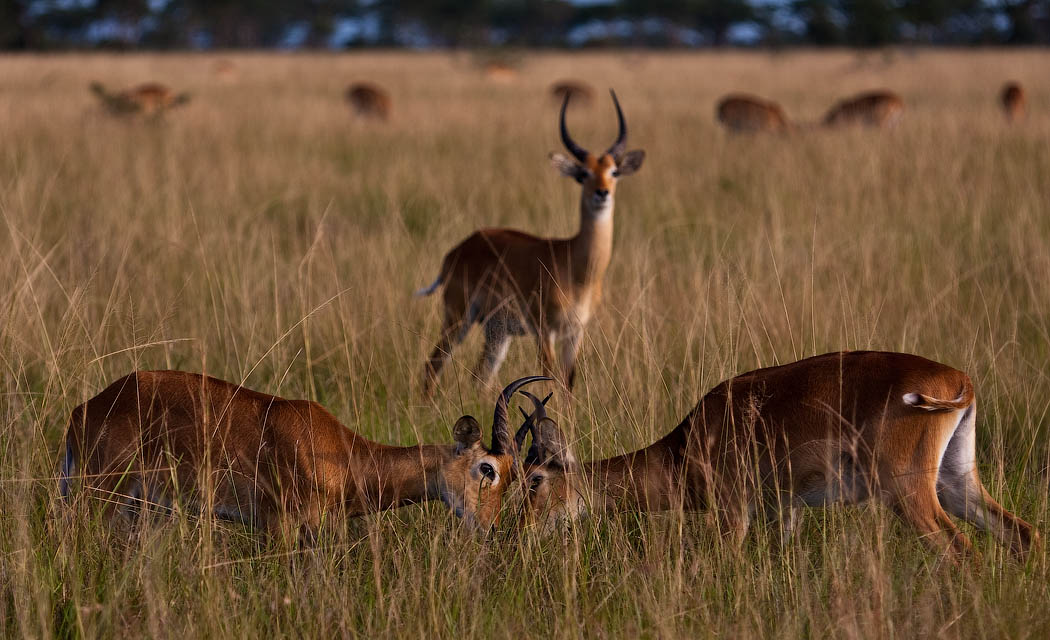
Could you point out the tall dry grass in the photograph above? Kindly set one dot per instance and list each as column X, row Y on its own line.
column 263, row 235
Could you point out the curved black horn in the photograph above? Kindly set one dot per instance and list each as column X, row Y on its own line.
column 501, row 440
column 530, row 419
column 576, row 150
column 616, row 151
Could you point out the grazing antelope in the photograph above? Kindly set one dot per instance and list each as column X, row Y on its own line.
column 872, row 109
column 741, row 113
column 513, row 283
column 581, row 91
column 1014, row 102
column 150, row 99
column 369, row 100
column 157, row 437
column 225, row 69
column 500, row 72
column 835, row 428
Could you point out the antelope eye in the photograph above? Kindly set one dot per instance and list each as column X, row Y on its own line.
column 616, row 173
column 487, row 470
column 535, row 482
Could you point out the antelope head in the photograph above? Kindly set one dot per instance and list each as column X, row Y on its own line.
column 597, row 173
column 552, row 483
column 474, row 481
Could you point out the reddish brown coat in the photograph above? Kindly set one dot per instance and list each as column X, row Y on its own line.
column 841, row 427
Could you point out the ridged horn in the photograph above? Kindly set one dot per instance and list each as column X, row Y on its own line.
column 618, row 147
column 576, row 150
column 502, row 442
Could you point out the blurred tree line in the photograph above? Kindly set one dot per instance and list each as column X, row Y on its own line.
column 227, row 24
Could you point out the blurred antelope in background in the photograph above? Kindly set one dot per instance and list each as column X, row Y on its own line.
column 513, row 283
column 369, row 100
column 150, row 99
column 160, row 438
column 224, row 69
column 837, row 428
column 501, row 72
column 581, row 92
column 1014, row 102
column 741, row 113
column 872, row 109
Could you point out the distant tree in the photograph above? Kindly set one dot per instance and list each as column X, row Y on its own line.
column 1029, row 21
column 871, row 22
column 819, row 17
column 15, row 32
column 711, row 17
column 534, row 23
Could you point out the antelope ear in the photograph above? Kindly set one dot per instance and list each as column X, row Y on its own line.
column 569, row 168
column 632, row 161
column 467, row 433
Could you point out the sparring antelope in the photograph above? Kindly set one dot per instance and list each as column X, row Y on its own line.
column 159, row 438
column 513, row 283
column 581, row 91
column 369, row 100
column 150, row 99
column 872, row 109
column 836, row 428
column 741, row 113
column 1014, row 102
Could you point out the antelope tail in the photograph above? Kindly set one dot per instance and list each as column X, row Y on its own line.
column 66, row 471
column 929, row 403
column 426, row 291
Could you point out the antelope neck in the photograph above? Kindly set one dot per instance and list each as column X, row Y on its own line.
column 592, row 245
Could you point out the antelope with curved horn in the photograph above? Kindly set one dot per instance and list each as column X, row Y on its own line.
column 513, row 283
column 741, row 113
column 369, row 100
column 836, row 428
column 150, row 99
column 1014, row 101
column 872, row 109
column 154, row 438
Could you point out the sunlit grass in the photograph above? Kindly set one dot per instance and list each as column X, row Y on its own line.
column 263, row 235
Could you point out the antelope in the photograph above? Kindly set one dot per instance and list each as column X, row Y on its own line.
column 836, row 428
column 369, row 100
column 513, row 283
column 153, row 438
column 225, row 69
column 150, row 99
column 500, row 72
column 740, row 113
column 872, row 109
column 1014, row 101
column 579, row 90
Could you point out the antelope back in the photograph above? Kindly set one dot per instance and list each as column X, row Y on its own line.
column 744, row 113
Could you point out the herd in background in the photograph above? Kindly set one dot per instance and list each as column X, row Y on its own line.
column 737, row 112
column 758, row 446
column 740, row 113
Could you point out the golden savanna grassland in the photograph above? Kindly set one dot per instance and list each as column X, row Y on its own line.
column 264, row 234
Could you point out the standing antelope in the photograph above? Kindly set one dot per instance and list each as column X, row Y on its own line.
column 580, row 90
column 1014, row 101
column 150, row 99
column 872, row 109
column 156, row 437
column 369, row 100
column 514, row 283
column 741, row 113
column 836, row 428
